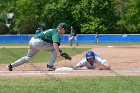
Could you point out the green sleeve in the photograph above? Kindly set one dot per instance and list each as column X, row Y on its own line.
column 56, row 37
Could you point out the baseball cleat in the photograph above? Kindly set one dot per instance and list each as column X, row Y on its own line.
column 50, row 68
column 10, row 67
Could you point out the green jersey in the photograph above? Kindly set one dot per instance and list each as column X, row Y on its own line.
column 51, row 36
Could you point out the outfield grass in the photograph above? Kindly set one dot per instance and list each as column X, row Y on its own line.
column 8, row 55
column 70, row 85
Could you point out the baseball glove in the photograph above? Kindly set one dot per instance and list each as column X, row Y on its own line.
column 66, row 56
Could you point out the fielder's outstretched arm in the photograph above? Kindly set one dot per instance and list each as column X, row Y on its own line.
column 57, row 49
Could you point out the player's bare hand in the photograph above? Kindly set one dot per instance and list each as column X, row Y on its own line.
column 108, row 68
column 59, row 55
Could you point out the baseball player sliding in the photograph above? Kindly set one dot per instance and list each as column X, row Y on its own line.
column 48, row 40
column 92, row 61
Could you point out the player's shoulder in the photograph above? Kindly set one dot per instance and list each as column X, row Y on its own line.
column 54, row 30
column 97, row 57
column 49, row 29
column 83, row 60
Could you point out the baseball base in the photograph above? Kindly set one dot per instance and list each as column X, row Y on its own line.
column 64, row 69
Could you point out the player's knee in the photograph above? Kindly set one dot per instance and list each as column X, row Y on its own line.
column 27, row 58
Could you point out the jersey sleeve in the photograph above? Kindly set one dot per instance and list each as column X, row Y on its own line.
column 83, row 62
column 56, row 37
column 100, row 60
column 79, row 65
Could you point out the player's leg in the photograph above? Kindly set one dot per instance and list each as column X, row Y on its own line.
column 25, row 59
column 49, row 47
column 31, row 52
column 50, row 65
column 46, row 46
column 70, row 40
column 76, row 40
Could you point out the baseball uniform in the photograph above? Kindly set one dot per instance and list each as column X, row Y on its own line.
column 41, row 42
column 97, row 61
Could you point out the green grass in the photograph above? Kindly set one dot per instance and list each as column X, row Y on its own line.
column 51, row 84
column 8, row 55
column 70, row 85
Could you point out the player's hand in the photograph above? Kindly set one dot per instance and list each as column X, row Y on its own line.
column 59, row 55
column 107, row 67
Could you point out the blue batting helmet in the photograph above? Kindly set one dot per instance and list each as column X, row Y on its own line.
column 90, row 54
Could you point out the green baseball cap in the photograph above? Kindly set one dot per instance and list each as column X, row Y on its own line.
column 63, row 25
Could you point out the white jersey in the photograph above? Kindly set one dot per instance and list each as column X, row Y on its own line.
column 97, row 61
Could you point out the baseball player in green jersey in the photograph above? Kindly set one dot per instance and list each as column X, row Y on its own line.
column 48, row 40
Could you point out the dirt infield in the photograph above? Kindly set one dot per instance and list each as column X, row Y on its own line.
column 124, row 61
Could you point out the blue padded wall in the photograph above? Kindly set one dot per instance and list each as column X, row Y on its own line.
column 81, row 39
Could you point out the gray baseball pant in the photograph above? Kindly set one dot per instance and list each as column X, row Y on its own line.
column 36, row 45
